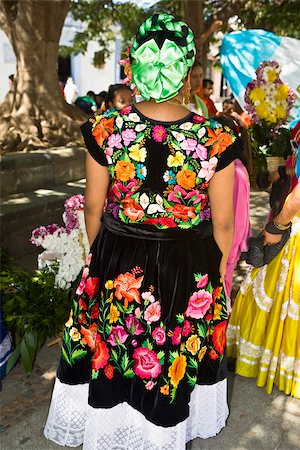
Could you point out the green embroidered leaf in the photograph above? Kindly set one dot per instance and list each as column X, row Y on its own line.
column 139, row 137
column 114, row 354
column 172, row 356
column 193, row 363
column 197, row 276
column 173, row 394
column 160, row 354
column 116, row 155
column 147, row 344
column 129, row 373
column 129, row 309
column 180, row 318
column 64, row 355
column 125, row 362
column 201, row 330
column 122, row 216
column 167, row 204
column 184, row 225
column 78, row 354
column 126, row 157
column 191, row 380
column 107, row 329
column 95, row 374
column 196, row 220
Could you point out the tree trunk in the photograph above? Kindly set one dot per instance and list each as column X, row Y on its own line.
column 35, row 114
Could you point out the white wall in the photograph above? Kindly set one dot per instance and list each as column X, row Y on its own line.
column 7, row 63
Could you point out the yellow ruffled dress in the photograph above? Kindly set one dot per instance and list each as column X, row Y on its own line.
column 263, row 333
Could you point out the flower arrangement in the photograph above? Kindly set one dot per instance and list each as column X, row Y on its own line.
column 67, row 247
column 269, row 101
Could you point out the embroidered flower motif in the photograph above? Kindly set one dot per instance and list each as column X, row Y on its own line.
column 203, row 281
column 128, row 136
column 213, row 354
column 108, row 153
column 117, row 335
column 74, row 334
column 159, row 133
column 109, row 284
column 201, row 132
column 91, row 287
column 132, row 209
column 101, row 354
column 202, row 353
column 140, row 127
column 219, row 140
column 186, row 126
column 119, row 122
column 133, row 325
column 159, row 335
column 153, row 312
column 114, row 314
column 199, row 304
column 193, row 344
column 150, row 385
column 126, row 110
column 109, row 371
column 208, row 168
column 124, row 170
column 198, row 119
column 169, row 177
column 133, row 117
column 187, row 328
column 102, row 130
column 200, row 152
column 94, row 314
column 148, row 296
column 186, row 178
column 146, row 363
column 176, row 335
column 137, row 153
column 217, row 312
column 219, row 337
column 114, row 140
column 164, row 389
column 177, row 370
column 89, row 336
column 182, row 212
column 188, row 145
column 141, row 171
column 178, row 136
column 127, row 286
column 175, row 160
column 69, row 323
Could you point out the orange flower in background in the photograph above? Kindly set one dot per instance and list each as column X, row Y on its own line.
column 219, row 336
column 127, row 286
column 177, row 370
column 219, row 140
column 102, row 130
column 186, row 178
column 124, row 170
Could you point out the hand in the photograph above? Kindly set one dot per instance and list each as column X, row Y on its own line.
column 271, row 239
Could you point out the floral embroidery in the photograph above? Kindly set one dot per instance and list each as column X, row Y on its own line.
column 122, row 325
column 194, row 148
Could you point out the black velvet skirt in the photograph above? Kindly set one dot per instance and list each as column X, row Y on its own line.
column 148, row 322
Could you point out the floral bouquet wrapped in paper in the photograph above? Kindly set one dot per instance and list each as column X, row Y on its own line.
column 66, row 248
column 269, row 101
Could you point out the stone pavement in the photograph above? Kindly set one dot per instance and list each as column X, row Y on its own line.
column 257, row 420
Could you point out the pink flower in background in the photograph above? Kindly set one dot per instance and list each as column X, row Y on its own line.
column 128, row 136
column 117, row 336
column 199, row 304
column 152, row 313
column 146, row 363
column 114, row 140
column 203, row 281
column 208, row 168
column 159, row 335
column 108, row 153
column 159, row 133
column 189, row 145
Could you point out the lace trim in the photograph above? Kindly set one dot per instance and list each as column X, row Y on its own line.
column 262, row 300
column 72, row 421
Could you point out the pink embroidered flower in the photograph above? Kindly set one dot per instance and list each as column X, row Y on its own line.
column 126, row 110
column 176, row 336
column 134, row 342
column 203, row 281
column 199, row 119
column 117, row 335
column 152, row 313
column 186, row 329
column 199, row 304
column 137, row 313
column 177, row 194
column 159, row 335
column 133, row 325
column 108, row 153
column 114, row 140
column 128, row 136
column 189, row 145
column 146, row 363
column 91, row 287
column 118, row 190
column 159, row 133
column 150, row 385
column 81, row 286
column 200, row 152
column 89, row 259
column 208, row 168
column 199, row 197
column 148, row 296
column 85, row 273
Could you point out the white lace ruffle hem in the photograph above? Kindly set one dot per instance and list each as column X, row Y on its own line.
column 72, row 422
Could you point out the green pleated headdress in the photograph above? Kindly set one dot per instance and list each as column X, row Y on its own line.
column 162, row 52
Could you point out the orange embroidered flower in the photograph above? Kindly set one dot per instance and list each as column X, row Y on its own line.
column 183, row 212
column 101, row 355
column 193, row 344
column 217, row 311
column 213, row 355
column 102, row 130
column 109, row 371
column 219, row 336
column 132, row 209
column 177, row 370
column 186, row 178
column 89, row 336
column 202, row 353
column 127, row 286
column 219, row 140
column 114, row 314
column 124, row 170
column 164, row 389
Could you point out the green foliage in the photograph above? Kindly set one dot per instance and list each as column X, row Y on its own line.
column 34, row 309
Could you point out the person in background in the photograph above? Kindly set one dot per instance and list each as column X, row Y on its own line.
column 118, row 96
column 195, row 103
column 204, row 93
column 70, row 91
column 100, row 98
column 87, row 103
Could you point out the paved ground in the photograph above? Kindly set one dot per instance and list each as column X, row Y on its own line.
column 257, row 420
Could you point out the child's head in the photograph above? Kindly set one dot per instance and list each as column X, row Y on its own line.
column 228, row 104
column 118, row 96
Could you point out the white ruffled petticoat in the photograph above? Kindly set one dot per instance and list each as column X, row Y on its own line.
column 72, row 422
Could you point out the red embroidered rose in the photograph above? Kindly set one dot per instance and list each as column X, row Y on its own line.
column 213, row 354
column 167, row 222
column 91, row 287
column 219, row 337
column 176, row 336
column 159, row 335
column 95, row 312
column 183, row 212
column 146, row 363
column 109, row 371
column 101, row 355
column 82, row 304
